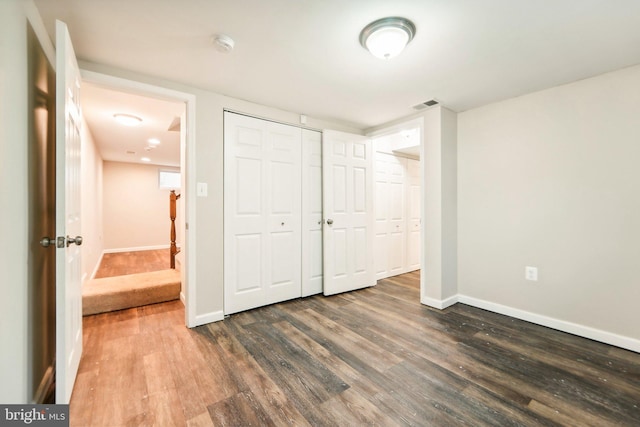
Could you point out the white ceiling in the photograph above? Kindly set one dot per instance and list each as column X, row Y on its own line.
column 304, row 56
column 121, row 143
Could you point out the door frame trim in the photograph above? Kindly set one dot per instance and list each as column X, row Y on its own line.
column 188, row 272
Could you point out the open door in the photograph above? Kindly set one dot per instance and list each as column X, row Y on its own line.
column 68, row 266
column 348, row 229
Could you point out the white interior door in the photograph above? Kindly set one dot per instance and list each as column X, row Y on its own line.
column 311, row 212
column 414, row 218
column 262, row 212
column 390, row 223
column 381, row 218
column 348, row 229
column 68, row 263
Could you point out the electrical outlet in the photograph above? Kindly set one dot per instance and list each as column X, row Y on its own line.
column 531, row 273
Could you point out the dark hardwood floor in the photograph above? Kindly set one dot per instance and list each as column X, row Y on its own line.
column 370, row 357
column 123, row 263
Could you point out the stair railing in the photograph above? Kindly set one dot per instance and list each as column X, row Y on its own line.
column 172, row 215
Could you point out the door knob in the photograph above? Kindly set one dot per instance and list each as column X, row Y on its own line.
column 77, row 240
column 329, row 221
column 45, row 242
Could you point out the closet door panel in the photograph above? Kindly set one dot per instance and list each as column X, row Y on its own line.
column 391, row 222
column 262, row 210
column 282, row 188
column 311, row 212
column 413, row 215
column 349, row 212
column 249, row 267
column 381, row 217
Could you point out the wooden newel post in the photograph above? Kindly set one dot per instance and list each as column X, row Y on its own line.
column 172, row 215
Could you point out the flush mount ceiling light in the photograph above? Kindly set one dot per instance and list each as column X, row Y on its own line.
column 127, row 119
column 387, row 37
column 153, row 141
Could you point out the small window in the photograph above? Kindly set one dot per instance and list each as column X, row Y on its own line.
column 169, row 180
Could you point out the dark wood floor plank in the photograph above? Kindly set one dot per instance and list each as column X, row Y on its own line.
column 548, row 383
column 353, row 409
column 282, row 411
column 288, row 377
column 370, row 357
column 239, row 410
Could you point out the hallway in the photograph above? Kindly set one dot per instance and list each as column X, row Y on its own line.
column 123, row 263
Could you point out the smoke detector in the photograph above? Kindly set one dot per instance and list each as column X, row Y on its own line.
column 223, row 43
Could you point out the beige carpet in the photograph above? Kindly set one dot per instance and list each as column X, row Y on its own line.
column 133, row 290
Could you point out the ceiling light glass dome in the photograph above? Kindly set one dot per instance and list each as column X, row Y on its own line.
column 387, row 37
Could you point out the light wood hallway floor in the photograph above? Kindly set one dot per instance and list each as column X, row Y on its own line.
column 123, row 263
column 370, row 357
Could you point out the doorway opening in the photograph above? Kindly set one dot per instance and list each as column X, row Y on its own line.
column 133, row 174
column 398, row 212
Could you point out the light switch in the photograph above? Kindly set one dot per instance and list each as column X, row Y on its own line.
column 201, row 189
column 531, row 273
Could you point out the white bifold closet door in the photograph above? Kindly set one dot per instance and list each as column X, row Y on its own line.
column 312, row 279
column 264, row 252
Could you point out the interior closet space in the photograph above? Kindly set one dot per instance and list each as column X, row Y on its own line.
column 397, row 194
column 272, row 212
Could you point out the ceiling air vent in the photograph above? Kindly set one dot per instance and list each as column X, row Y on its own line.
column 423, row 105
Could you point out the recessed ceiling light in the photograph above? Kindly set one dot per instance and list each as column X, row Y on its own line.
column 127, row 119
column 387, row 37
column 145, row 159
column 153, row 141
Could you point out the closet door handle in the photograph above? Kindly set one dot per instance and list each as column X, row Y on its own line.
column 329, row 221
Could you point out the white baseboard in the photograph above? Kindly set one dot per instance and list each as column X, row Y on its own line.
column 550, row 322
column 135, row 249
column 182, row 298
column 439, row 304
column 214, row 316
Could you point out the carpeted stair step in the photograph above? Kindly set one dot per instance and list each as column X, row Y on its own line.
column 133, row 290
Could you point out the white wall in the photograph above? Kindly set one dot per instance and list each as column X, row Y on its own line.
column 439, row 276
column 91, row 198
column 551, row 180
column 207, row 231
column 135, row 210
